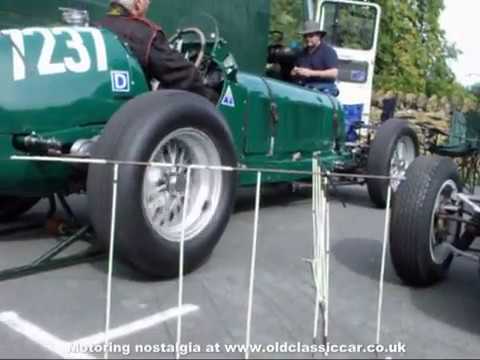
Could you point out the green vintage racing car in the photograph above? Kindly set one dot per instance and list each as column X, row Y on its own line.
column 75, row 91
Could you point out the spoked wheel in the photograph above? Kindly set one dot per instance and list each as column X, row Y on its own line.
column 165, row 127
column 423, row 223
column 403, row 156
column 164, row 189
column 393, row 150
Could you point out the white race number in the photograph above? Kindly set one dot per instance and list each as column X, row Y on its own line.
column 18, row 48
column 81, row 62
column 45, row 64
column 76, row 43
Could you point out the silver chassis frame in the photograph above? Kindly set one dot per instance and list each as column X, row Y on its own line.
column 473, row 201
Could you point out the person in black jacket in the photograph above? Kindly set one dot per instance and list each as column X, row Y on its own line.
column 148, row 42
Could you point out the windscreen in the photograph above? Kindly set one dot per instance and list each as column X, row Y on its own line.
column 350, row 26
column 203, row 22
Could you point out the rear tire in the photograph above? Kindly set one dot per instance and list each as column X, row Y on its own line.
column 418, row 236
column 386, row 159
column 157, row 127
column 11, row 207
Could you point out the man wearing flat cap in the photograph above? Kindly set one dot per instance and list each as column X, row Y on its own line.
column 317, row 66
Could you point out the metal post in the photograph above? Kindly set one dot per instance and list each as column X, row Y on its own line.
column 320, row 263
column 252, row 266
column 327, row 278
column 110, row 259
column 323, row 260
column 316, row 243
column 384, row 257
column 181, row 263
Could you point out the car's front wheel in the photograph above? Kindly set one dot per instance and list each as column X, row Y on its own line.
column 423, row 229
column 393, row 150
column 154, row 208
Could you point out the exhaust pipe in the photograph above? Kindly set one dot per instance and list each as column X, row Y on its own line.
column 38, row 145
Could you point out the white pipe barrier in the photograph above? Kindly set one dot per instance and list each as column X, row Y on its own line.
column 252, row 265
column 320, row 263
column 384, row 259
column 181, row 262
column 113, row 224
column 321, row 250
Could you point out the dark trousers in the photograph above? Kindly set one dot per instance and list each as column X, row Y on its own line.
column 326, row 88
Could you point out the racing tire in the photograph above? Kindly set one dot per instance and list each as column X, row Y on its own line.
column 418, row 236
column 150, row 200
column 11, row 207
column 393, row 149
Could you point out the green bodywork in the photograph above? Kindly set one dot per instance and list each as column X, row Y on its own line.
column 249, row 20
column 274, row 124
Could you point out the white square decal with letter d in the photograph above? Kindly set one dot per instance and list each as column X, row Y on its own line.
column 120, row 81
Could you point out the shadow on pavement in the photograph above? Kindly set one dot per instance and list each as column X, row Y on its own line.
column 272, row 195
column 455, row 301
column 352, row 195
column 282, row 195
column 364, row 257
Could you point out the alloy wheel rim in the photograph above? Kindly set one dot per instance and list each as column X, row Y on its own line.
column 403, row 156
column 164, row 188
column 442, row 230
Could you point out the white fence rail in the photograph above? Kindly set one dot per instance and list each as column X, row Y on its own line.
column 320, row 262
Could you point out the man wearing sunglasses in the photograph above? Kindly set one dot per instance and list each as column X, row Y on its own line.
column 317, row 66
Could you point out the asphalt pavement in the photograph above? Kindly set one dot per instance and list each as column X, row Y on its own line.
column 43, row 314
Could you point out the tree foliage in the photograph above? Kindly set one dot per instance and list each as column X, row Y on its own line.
column 287, row 17
column 475, row 89
column 414, row 53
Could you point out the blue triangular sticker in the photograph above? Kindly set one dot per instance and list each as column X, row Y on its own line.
column 228, row 99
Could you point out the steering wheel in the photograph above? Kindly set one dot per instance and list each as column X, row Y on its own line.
column 177, row 40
